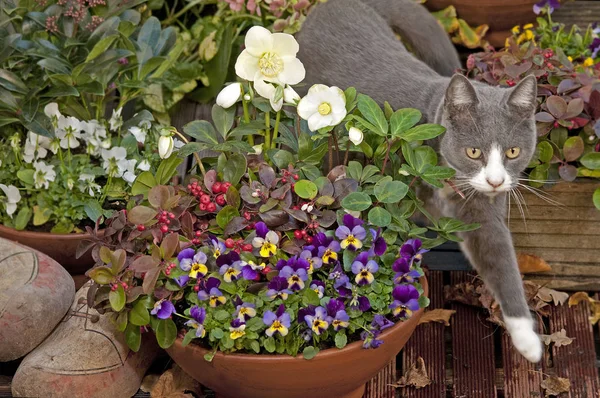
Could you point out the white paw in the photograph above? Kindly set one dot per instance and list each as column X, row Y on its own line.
column 525, row 340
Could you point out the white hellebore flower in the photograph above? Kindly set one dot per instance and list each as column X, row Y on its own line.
column 13, row 196
column 290, row 96
column 323, row 106
column 270, row 92
column 116, row 121
column 88, row 184
column 165, row 144
column 43, row 175
column 36, row 147
column 69, row 130
column 229, row 95
column 355, row 135
column 144, row 165
column 115, row 161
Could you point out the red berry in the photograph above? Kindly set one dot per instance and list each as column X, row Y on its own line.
column 216, row 188
column 198, row 234
column 220, row 199
column 266, row 270
column 124, row 285
column 171, row 216
column 295, row 208
column 196, row 288
column 164, row 229
column 229, row 243
column 247, row 247
column 304, row 233
column 296, row 176
column 284, row 180
column 195, row 241
column 308, row 239
column 211, row 207
column 189, row 187
column 168, row 222
column 510, row 83
column 202, row 207
column 141, row 227
column 298, row 234
column 225, row 187
column 205, row 199
column 248, row 228
column 556, row 124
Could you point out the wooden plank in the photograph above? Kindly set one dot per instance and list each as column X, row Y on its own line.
column 557, row 240
column 473, row 349
column 570, row 283
column 556, row 213
column 380, row 385
column 581, row 13
column 583, row 199
column 521, row 378
column 562, row 255
column 567, row 269
column 580, row 185
column 582, row 227
column 428, row 343
column 576, row 361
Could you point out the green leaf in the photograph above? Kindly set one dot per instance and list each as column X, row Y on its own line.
column 235, row 168
column 424, row 302
column 309, row 352
column 221, row 315
column 139, row 315
column 93, row 210
column 223, row 119
column 101, row 47
column 133, row 337
column 310, row 297
column 26, row 176
column 281, row 158
column 354, row 170
column 41, row 216
column 202, row 131
column 380, row 217
column 12, row 82
column 306, row 189
column 591, row 160
column 22, row 218
column 341, row 340
column 596, row 198
column 422, row 132
column 404, row 119
column 269, row 344
column 373, row 113
column 545, row 151
column 357, row 201
column 255, row 346
column 117, row 299
column 143, row 183
column 189, row 336
column 101, row 275
column 226, row 214
column 573, row 148
column 387, row 110
column 167, row 169
column 166, row 332
column 218, row 333
column 389, row 191
column 350, row 95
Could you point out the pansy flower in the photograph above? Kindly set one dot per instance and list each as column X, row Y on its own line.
column 278, row 288
column 405, row 301
column 295, row 277
column 357, row 302
column 314, row 261
column 251, row 271
column 339, row 277
column 198, row 315
column 351, row 234
column 404, row 274
column 413, row 250
column 318, row 287
column 370, row 339
column 193, row 262
column 319, row 322
column 337, row 312
column 381, row 323
column 278, row 321
column 245, row 311
column 163, row 309
column 329, row 253
column 552, row 5
column 364, row 269
column 231, row 272
column 266, row 241
column 595, row 46
column 379, row 246
column 209, row 290
column 182, row 280
column 217, row 247
column 237, row 329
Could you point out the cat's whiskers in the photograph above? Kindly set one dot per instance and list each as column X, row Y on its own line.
column 545, row 196
column 513, row 192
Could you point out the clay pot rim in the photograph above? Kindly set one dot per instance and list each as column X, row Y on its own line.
column 322, row 355
column 36, row 234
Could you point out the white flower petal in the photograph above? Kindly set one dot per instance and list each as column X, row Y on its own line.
column 285, row 44
column 258, row 41
column 246, row 66
column 264, row 89
column 290, row 96
column 307, row 107
column 52, row 110
column 229, row 95
column 355, row 135
column 293, row 71
column 318, row 121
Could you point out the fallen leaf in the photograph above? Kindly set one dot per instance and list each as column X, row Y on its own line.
column 528, row 263
column 416, row 376
column 559, row 338
column 554, row 385
column 555, row 296
column 175, row 383
column 578, row 298
column 463, row 293
column 594, row 305
column 437, row 315
column 148, row 382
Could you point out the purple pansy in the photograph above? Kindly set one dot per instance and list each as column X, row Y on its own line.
column 295, row 277
column 265, row 241
column 198, row 315
column 313, row 260
column 318, row 287
column 278, row 321
column 278, row 288
column 339, row 277
column 228, row 258
column 163, row 309
column 231, row 272
column 413, row 250
column 193, row 262
column 245, row 311
column 261, row 229
column 209, row 291
column 251, row 271
column 364, row 269
column 216, row 246
column 370, row 339
column 237, row 329
column 552, row 5
column 329, row 253
column 337, row 311
column 182, row 280
column 357, row 302
column 406, row 301
column 351, row 234
column 319, row 322
column 404, row 274
column 595, row 47
column 379, row 246
column 381, row 323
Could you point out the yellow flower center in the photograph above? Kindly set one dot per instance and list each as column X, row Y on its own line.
column 270, row 64
column 324, row 109
column 217, row 253
column 276, row 325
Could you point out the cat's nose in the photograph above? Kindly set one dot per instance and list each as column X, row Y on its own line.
column 495, row 183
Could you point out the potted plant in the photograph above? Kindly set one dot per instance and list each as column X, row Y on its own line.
column 262, row 260
column 64, row 165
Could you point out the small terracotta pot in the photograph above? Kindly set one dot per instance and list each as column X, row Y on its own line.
column 61, row 247
column 333, row 373
column 499, row 15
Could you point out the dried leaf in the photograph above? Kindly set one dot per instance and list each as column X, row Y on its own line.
column 416, row 376
column 554, row 385
column 437, row 315
column 462, row 293
column 594, row 305
column 559, row 338
column 551, row 295
column 529, row 263
column 148, row 382
column 578, row 298
column 174, row 383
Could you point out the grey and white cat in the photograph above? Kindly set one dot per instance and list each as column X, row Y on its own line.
column 490, row 134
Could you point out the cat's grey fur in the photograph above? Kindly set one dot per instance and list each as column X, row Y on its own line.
column 352, row 43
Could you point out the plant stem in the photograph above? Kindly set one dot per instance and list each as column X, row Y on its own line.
column 387, row 155
column 267, row 130
column 330, row 149
column 247, row 117
column 198, row 160
column 347, row 153
column 185, row 9
column 412, row 182
column 337, row 147
column 275, row 129
column 105, row 191
column 297, row 126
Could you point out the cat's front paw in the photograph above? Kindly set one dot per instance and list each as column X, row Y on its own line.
column 524, row 338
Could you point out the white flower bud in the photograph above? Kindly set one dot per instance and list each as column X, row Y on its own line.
column 247, row 97
column 310, row 208
column 290, row 96
column 165, row 146
column 229, row 95
column 404, row 172
column 258, row 149
column 304, row 207
column 355, row 135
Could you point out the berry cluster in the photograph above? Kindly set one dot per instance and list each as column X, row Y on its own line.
column 237, row 245
column 169, row 268
column 287, row 175
column 164, row 220
column 115, row 286
column 209, row 200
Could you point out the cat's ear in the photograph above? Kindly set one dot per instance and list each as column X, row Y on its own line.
column 460, row 93
column 523, row 97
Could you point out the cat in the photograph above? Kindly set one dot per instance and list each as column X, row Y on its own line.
column 490, row 131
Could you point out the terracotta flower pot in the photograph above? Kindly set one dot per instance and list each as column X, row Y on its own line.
column 333, row 373
column 499, row 15
column 61, row 247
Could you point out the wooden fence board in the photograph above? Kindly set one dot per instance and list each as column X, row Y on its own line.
column 380, row 385
column 532, row 227
column 521, row 377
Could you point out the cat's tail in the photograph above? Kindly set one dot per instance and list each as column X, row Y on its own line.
column 420, row 32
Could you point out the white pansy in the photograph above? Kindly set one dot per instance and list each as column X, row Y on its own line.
column 229, row 95
column 87, row 183
column 116, row 121
column 36, row 147
column 271, row 57
column 93, row 130
column 51, row 110
column 138, row 133
column 355, row 135
column 144, row 165
column 165, row 146
column 112, row 158
column 269, row 91
column 13, row 196
column 68, row 131
column 43, row 174
column 290, row 96
column 128, row 168
column 322, row 107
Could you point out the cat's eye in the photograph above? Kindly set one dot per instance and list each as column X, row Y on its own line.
column 513, row 152
column 474, row 153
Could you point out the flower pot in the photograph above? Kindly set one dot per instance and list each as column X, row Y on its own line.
column 499, row 15
column 333, row 373
column 61, row 247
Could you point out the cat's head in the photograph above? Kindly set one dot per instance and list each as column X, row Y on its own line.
column 490, row 133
